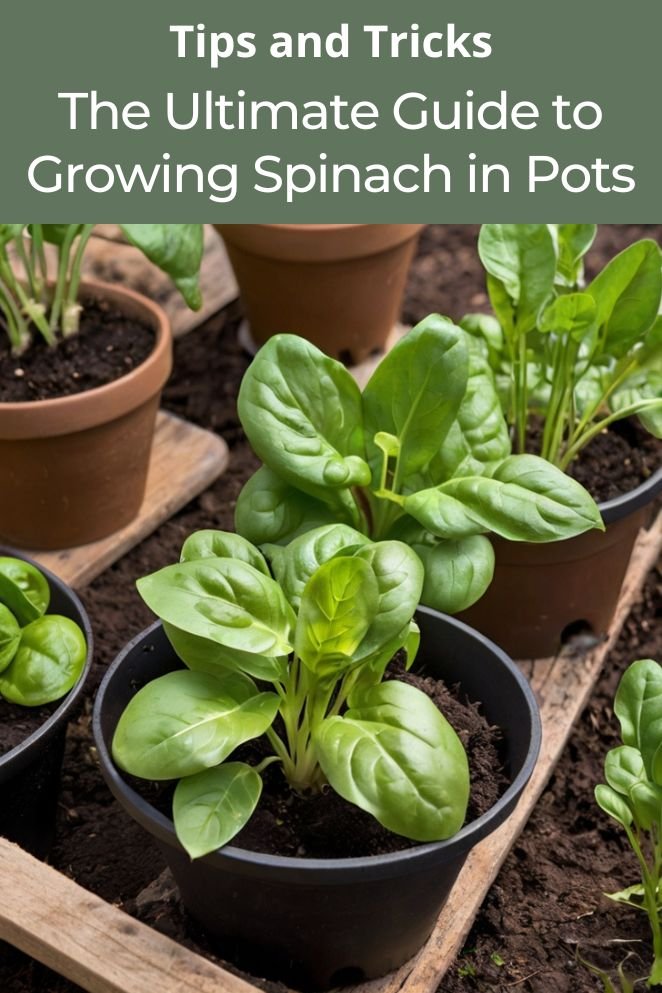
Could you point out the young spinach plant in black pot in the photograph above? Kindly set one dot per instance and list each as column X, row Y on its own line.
column 571, row 363
column 45, row 652
column 295, row 655
column 423, row 455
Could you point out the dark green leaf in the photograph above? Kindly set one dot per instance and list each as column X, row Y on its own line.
column 48, row 663
column 176, row 249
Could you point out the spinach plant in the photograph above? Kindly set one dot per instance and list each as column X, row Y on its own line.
column 633, row 792
column 578, row 356
column 51, row 309
column 299, row 658
column 422, row 456
column 41, row 655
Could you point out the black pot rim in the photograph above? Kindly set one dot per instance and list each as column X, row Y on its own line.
column 468, row 836
column 21, row 754
column 628, row 503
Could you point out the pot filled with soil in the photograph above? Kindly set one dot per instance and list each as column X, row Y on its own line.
column 579, row 373
column 336, row 880
column 339, row 285
column 82, row 366
column 543, row 595
column 42, row 678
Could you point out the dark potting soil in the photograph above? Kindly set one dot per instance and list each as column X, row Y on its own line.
column 108, row 346
column 18, row 723
column 547, row 900
column 323, row 825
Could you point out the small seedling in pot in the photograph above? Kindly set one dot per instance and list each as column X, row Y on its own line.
column 320, row 633
column 632, row 795
column 52, row 309
column 581, row 357
column 41, row 655
column 423, row 455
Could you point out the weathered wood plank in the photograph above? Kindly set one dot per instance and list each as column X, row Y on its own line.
column 563, row 687
column 185, row 460
column 92, row 943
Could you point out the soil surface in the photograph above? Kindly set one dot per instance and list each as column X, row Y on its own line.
column 107, row 346
column 18, row 723
column 547, row 901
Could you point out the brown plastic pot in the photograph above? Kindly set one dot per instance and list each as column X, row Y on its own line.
column 542, row 594
column 74, row 469
column 338, row 285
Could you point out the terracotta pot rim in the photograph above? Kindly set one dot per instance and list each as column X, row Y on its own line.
column 627, row 503
column 316, row 243
column 88, row 409
column 19, row 756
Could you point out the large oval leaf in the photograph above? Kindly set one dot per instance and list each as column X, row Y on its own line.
column 399, row 574
column 522, row 258
column 211, row 544
column 338, row 605
column 271, row 511
column 613, row 804
column 295, row 564
column 457, row 573
column 204, row 655
column 301, row 412
column 415, row 393
column 24, row 589
column 177, row 250
column 396, row 756
column 227, row 601
column 184, row 722
column 638, row 706
column 527, row 499
column 478, row 439
column 48, row 663
column 210, row 808
column 627, row 295
column 10, row 636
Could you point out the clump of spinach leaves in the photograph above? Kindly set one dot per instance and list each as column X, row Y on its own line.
column 320, row 635
column 41, row 655
column 579, row 357
column 54, row 308
column 423, row 455
column 633, row 792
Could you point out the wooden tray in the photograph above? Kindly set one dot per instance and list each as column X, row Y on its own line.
column 102, row 949
column 185, row 460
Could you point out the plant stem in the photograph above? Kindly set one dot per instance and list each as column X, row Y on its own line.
column 595, row 429
column 71, row 308
column 64, row 252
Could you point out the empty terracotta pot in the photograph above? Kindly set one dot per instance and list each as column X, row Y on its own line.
column 543, row 593
column 73, row 469
column 338, row 285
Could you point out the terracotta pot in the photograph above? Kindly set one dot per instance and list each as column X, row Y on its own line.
column 73, row 469
column 30, row 772
column 339, row 285
column 315, row 923
column 541, row 594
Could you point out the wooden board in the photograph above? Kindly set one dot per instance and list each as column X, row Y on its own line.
column 109, row 258
column 185, row 460
column 103, row 950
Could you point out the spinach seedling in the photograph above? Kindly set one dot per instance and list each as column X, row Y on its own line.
column 33, row 302
column 579, row 357
column 633, row 792
column 41, row 655
column 423, row 455
column 319, row 634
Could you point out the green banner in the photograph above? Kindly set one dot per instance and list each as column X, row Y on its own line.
column 466, row 111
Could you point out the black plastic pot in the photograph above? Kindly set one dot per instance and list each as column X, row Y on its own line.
column 542, row 594
column 317, row 923
column 30, row 772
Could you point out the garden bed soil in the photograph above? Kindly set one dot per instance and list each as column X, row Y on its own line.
column 547, row 901
column 107, row 347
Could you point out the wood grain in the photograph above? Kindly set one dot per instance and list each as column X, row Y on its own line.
column 92, row 943
column 185, row 461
